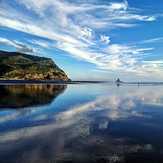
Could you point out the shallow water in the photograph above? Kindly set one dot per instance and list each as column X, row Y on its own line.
column 98, row 123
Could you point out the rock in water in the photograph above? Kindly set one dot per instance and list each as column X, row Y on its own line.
column 19, row 66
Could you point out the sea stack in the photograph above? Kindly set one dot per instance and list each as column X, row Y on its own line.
column 118, row 81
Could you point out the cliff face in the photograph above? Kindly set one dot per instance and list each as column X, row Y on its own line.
column 19, row 66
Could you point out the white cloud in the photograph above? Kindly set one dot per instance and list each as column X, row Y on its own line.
column 151, row 40
column 86, row 32
column 119, row 6
column 41, row 43
column 154, row 61
column 75, row 27
column 105, row 39
column 21, row 47
column 5, row 41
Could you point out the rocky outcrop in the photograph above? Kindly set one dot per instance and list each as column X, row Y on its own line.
column 19, row 66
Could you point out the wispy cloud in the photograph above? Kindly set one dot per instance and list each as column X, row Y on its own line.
column 75, row 29
column 152, row 40
column 105, row 39
column 20, row 47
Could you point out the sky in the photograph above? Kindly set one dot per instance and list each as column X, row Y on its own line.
column 88, row 39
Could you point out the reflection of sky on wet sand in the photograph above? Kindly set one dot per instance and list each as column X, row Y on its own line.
column 107, row 123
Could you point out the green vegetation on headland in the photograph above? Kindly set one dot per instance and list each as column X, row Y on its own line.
column 19, row 66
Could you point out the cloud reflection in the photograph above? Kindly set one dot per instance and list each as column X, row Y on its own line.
column 86, row 126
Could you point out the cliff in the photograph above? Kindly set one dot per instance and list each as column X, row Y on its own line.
column 19, row 66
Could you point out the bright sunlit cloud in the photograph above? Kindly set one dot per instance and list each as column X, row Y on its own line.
column 89, row 31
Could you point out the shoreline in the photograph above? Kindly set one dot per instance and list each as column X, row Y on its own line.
column 139, row 83
column 4, row 82
column 48, row 82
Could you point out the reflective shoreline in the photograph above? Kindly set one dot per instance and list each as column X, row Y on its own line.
column 83, row 123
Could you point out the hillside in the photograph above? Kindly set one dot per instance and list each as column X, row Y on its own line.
column 19, row 66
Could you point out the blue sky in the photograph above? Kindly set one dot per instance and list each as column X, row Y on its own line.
column 89, row 39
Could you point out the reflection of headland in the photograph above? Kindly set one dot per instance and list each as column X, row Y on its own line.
column 20, row 96
column 102, row 128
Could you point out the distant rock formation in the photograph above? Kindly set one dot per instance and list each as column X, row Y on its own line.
column 19, row 66
column 118, row 81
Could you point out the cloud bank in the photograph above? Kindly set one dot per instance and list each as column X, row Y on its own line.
column 82, row 30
